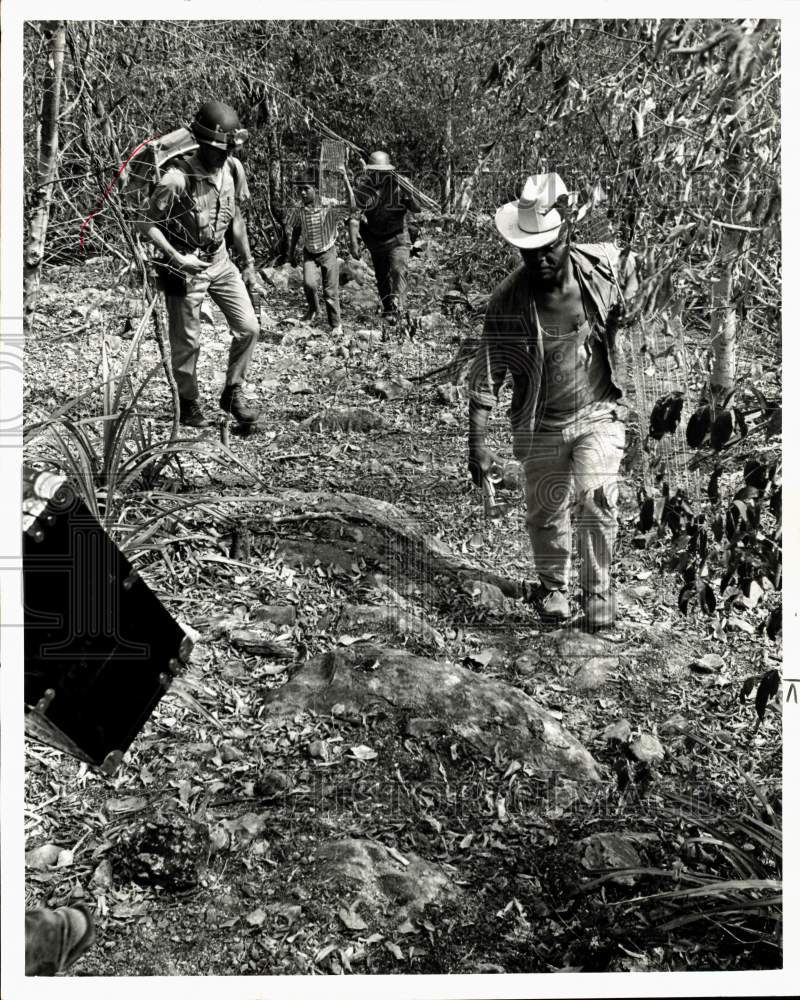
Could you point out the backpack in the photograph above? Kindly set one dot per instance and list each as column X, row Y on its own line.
column 146, row 167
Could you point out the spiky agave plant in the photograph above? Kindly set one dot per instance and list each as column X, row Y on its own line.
column 108, row 456
column 740, row 893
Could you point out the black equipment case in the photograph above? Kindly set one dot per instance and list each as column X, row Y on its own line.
column 100, row 648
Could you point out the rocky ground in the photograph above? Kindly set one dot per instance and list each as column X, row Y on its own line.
column 357, row 773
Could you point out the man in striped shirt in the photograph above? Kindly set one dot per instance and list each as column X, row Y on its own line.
column 316, row 219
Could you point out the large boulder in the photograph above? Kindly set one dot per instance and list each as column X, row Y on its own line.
column 483, row 711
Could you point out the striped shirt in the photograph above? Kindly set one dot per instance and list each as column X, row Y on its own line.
column 318, row 223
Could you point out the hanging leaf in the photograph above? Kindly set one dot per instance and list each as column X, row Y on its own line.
column 713, row 484
column 747, row 688
column 756, row 474
column 698, row 427
column 708, row 601
column 721, row 430
column 767, row 689
column 646, row 514
column 775, row 622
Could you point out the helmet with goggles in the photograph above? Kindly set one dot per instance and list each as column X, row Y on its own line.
column 217, row 125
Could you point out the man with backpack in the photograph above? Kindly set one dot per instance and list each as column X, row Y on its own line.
column 187, row 215
column 551, row 325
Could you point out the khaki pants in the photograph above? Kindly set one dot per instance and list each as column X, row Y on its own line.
column 584, row 455
column 224, row 284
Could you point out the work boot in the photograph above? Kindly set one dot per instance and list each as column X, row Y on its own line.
column 190, row 413
column 309, row 316
column 600, row 611
column 232, row 401
column 553, row 605
column 56, row 939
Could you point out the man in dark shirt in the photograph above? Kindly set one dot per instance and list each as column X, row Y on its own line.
column 546, row 327
column 384, row 203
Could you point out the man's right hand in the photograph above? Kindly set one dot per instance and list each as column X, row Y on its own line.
column 189, row 263
column 481, row 461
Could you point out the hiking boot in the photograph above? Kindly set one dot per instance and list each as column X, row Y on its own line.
column 56, row 939
column 232, row 401
column 337, row 331
column 309, row 316
column 553, row 605
column 600, row 610
column 190, row 413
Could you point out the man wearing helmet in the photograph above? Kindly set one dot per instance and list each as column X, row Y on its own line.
column 384, row 204
column 186, row 217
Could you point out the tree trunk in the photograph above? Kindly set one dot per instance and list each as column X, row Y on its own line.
column 723, row 318
column 47, row 164
column 724, row 326
column 447, row 172
column 469, row 184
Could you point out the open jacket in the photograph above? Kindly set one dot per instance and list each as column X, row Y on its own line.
column 512, row 341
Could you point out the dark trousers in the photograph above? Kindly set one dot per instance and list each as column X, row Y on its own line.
column 328, row 264
column 391, row 275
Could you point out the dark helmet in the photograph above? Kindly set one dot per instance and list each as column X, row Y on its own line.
column 307, row 177
column 217, row 124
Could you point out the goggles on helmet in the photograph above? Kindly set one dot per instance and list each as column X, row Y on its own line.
column 219, row 138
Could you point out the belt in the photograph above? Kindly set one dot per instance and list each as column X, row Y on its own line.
column 208, row 251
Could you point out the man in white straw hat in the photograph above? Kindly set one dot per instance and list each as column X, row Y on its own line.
column 547, row 326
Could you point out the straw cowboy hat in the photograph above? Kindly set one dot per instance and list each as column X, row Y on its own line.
column 534, row 220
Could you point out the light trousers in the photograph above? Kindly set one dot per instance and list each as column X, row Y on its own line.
column 580, row 461
column 223, row 282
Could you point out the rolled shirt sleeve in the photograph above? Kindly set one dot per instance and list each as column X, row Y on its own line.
column 490, row 367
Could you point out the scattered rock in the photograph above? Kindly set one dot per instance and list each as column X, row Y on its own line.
column 417, row 727
column 493, row 656
column 102, row 877
column 169, row 850
column 319, row 749
column 43, row 857
column 393, row 620
column 389, row 389
column 229, row 753
column 487, row 595
column 353, row 418
column 272, row 784
column 481, row 710
column 447, row 394
column 381, row 879
column 594, row 673
column 528, row 663
column 711, row 663
column 602, row 851
column 277, row 614
column 619, row 731
column 257, row 644
column 675, row 725
column 647, row 749
column 512, row 477
column 572, row 643
column 431, row 322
